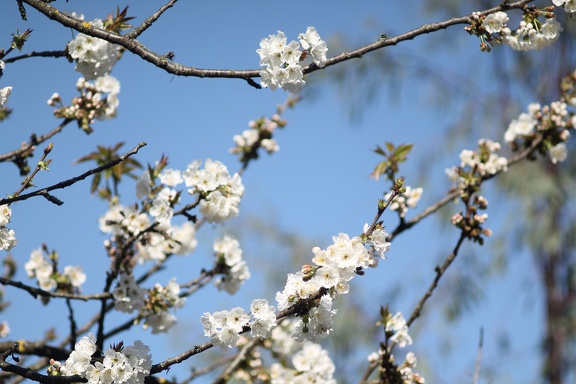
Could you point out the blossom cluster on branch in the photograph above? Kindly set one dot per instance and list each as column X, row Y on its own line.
column 283, row 61
column 120, row 364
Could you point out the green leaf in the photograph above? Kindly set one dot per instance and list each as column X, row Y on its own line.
column 402, row 151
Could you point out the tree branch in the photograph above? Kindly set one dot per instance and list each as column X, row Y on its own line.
column 454, row 194
column 33, row 375
column 74, row 180
column 35, row 292
column 163, row 62
column 440, row 270
column 34, row 140
column 133, row 34
column 55, row 54
column 225, row 375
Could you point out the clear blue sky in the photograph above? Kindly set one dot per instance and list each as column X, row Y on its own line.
column 316, row 186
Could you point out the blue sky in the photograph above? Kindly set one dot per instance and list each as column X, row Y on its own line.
column 316, row 186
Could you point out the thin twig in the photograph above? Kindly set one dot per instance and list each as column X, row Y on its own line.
column 73, row 334
column 55, row 54
column 33, row 375
column 133, row 34
column 454, row 194
column 199, row 372
column 166, row 364
column 440, row 270
column 35, row 292
column 225, row 375
column 34, row 140
column 74, row 180
column 30, row 178
column 37, row 348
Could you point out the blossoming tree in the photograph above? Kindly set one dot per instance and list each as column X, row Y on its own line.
column 280, row 341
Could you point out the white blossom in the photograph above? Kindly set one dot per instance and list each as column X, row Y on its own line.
column 75, row 274
column 558, row 153
column 312, row 43
column 494, row 22
column 94, row 57
column 128, row 296
column 5, row 214
column 569, row 5
column 4, row 93
column 171, row 177
column 130, row 365
column 223, row 326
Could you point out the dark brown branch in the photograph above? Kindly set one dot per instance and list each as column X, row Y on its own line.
column 35, row 292
column 162, row 61
column 157, row 368
column 199, row 372
column 225, row 375
column 33, row 375
column 410, row 35
column 28, row 180
column 296, row 309
column 36, row 348
column 454, row 194
column 440, row 270
column 73, row 327
column 74, row 180
column 55, row 54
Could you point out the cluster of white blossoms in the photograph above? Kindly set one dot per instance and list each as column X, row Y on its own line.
column 166, row 239
column 98, row 100
column 128, row 296
column 554, row 121
column 234, row 270
column 283, row 60
column 335, row 267
column 224, row 327
column 524, row 125
column 4, row 92
column 219, row 192
column 482, row 162
column 396, row 325
column 94, row 57
column 48, row 277
column 526, row 37
column 408, row 199
column 485, row 161
column 162, row 206
column 259, row 135
column 7, row 236
column 406, row 369
column 160, row 300
column 123, row 364
column 311, row 364
column 151, row 305
column 532, row 35
column 105, row 85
